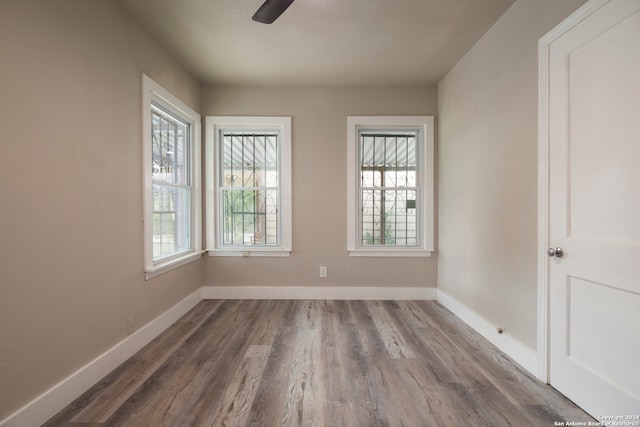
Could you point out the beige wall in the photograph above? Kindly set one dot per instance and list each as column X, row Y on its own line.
column 487, row 105
column 319, row 137
column 71, row 189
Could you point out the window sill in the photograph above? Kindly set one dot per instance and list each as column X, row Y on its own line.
column 390, row 253
column 251, row 253
column 173, row 264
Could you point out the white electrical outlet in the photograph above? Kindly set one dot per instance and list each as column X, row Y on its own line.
column 323, row 271
column 131, row 324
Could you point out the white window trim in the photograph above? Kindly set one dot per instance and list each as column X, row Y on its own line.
column 152, row 91
column 213, row 125
column 426, row 176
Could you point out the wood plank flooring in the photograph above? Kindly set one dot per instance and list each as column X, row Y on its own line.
column 319, row 363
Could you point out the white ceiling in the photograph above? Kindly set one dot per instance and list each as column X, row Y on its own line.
column 319, row 42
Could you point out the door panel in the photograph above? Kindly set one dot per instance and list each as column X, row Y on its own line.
column 603, row 121
column 592, row 344
column 594, row 210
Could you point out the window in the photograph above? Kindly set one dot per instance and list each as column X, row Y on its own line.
column 249, row 186
column 390, row 186
column 171, row 147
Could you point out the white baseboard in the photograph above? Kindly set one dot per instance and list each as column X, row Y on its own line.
column 318, row 293
column 520, row 353
column 48, row 404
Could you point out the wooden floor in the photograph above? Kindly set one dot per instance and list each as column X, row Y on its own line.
column 319, row 363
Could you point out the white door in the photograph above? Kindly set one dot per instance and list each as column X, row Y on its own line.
column 594, row 211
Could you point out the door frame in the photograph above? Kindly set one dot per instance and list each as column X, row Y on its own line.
column 544, row 46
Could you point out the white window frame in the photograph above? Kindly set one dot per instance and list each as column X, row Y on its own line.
column 214, row 126
column 425, row 176
column 153, row 92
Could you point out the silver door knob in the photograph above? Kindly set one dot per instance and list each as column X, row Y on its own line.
column 557, row 252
